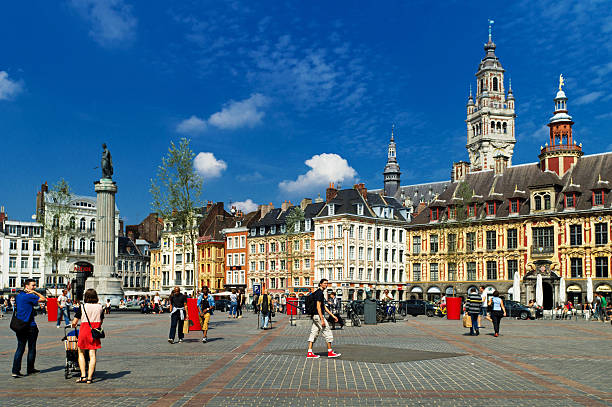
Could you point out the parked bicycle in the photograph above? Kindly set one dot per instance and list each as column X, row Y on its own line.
column 351, row 313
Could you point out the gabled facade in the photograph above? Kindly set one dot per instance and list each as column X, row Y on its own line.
column 236, row 269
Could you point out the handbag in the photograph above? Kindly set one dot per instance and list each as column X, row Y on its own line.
column 467, row 320
column 96, row 333
column 17, row 324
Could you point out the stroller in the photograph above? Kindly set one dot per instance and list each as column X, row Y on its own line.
column 70, row 339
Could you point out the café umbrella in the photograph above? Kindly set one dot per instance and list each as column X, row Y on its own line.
column 562, row 290
column 589, row 290
column 516, row 287
column 539, row 291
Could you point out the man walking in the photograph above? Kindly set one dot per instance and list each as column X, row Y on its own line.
column 473, row 308
column 206, row 305
column 315, row 307
column 178, row 314
column 25, row 302
column 483, row 307
column 63, row 309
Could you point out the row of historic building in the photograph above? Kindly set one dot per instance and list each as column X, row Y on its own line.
column 490, row 222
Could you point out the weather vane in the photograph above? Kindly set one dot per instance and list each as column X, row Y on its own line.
column 491, row 22
column 561, row 81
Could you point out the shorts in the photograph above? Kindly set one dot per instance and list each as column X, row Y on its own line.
column 204, row 321
column 483, row 311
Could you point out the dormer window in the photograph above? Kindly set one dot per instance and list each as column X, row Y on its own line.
column 253, row 231
column 570, row 200
column 331, row 209
column 514, row 205
column 434, row 213
column 598, row 198
column 273, row 229
column 472, row 211
column 262, row 230
column 542, row 201
column 308, row 224
column 283, row 228
column 452, row 212
column 296, row 227
column 491, row 208
column 359, row 209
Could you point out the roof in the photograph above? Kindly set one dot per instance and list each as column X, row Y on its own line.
column 519, row 181
column 412, row 195
column 346, row 200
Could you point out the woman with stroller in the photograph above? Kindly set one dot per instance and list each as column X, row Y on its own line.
column 92, row 314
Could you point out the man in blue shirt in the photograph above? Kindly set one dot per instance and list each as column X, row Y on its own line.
column 25, row 302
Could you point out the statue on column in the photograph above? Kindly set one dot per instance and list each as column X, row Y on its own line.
column 107, row 163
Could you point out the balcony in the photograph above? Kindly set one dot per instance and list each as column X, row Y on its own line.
column 544, row 251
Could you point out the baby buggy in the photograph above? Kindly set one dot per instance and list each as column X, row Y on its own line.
column 70, row 339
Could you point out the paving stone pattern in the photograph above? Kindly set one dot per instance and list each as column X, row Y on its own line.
column 560, row 363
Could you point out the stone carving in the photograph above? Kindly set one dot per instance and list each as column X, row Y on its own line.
column 107, row 163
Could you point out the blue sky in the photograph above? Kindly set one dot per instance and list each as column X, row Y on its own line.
column 279, row 98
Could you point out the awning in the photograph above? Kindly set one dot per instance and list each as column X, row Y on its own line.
column 604, row 288
column 416, row 290
column 573, row 289
column 433, row 290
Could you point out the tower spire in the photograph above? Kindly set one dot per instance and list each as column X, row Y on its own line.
column 392, row 129
column 491, row 22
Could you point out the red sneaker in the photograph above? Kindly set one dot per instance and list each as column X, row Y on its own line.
column 332, row 354
column 312, row 355
column 496, row 335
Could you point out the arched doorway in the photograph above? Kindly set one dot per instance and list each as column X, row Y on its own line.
column 547, row 290
column 83, row 271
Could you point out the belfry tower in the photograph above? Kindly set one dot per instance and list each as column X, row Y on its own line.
column 490, row 117
column 392, row 169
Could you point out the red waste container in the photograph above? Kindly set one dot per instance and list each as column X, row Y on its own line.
column 193, row 314
column 52, row 309
column 453, row 308
column 292, row 304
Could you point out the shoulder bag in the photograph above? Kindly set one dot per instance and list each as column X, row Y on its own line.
column 17, row 324
column 96, row 333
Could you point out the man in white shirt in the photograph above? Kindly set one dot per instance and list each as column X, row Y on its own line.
column 157, row 304
column 63, row 308
column 483, row 306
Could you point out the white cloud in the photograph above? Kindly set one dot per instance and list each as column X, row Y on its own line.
column 604, row 116
column 193, row 125
column 246, row 206
column 112, row 21
column 208, row 166
column 8, row 87
column 244, row 113
column 541, row 133
column 325, row 168
column 588, row 98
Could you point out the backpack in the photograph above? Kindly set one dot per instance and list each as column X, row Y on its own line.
column 310, row 304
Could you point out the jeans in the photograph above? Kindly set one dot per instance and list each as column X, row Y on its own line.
column 238, row 310
column 29, row 336
column 265, row 318
column 63, row 312
column 474, row 327
column 233, row 306
column 496, row 316
column 175, row 320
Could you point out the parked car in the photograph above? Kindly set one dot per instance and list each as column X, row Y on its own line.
column 221, row 304
column 417, row 307
column 515, row 309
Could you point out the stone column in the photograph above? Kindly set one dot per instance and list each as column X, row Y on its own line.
column 104, row 279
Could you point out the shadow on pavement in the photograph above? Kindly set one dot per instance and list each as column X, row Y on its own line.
column 102, row 375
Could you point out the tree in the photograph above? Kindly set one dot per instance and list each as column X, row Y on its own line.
column 176, row 193
column 57, row 226
column 293, row 222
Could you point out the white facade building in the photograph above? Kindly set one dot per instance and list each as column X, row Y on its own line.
column 21, row 254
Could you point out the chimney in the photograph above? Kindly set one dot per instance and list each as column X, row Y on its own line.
column 3, row 217
column 362, row 190
column 265, row 209
column 121, row 227
column 130, row 235
column 330, row 192
column 501, row 162
column 460, row 170
column 420, row 208
column 305, row 202
column 285, row 205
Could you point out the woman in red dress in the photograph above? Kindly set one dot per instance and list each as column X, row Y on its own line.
column 91, row 313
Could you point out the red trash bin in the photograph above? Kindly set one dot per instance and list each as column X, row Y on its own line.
column 193, row 314
column 52, row 309
column 292, row 304
column 453, row 308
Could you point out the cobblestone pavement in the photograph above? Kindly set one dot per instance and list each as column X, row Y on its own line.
column 561, row 363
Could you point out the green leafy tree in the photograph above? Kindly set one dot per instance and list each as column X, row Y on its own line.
column 176, row 192
column 57, row 226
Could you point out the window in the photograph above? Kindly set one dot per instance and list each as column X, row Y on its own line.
column 570, row 200
column 601, row 233
column 514, row 206
column 296, row 226
column 393, row 255
column 401, row 236
column 92, row 246
column 179, row 258
column 351, row 272
column 495, row 84
column 306, row 244
column 537, row 203
column 35, row 263
column 360, row 232
column 13, row 245
column 230, row 244
column 82, row 246
column 272, row 265
column 282, row 265
column 470, row 241
column 491, row 270
column 359, row 209
column 433, row 243
column 386, row 274
column 369, row 253
column 307, row 281
column 575, row 235
column 252, row 265
column 576, row 267
column 24, row 263
column 330, row 232
column 321, row 253
column 92, row 225
column 360, row 255
column 433, row 271
column 598, row 198
column 272, row 283
column 378, row 254
column 434, row 213
column 601, row 267
column 308, row 224
column 252, row 248
column 452, row 242
column 331, row 208
column 282, row 247
column 262, row 247
column 491, row 240
column 386, row 258
column 512, row 268
column 369, row 235
column 82, row 225
column 543, row 238
column 472, row 211
column 273, row 247
column 351, row 231
column 273, row 229
column 378, row 234
column 452, row 271
column 262, row 265
column 471, row 270
column 352, row 252
column 512, row 238
column 243, row 241
column 393, row 235
column 307, row 263
column 541, row 201
column 24, row 245
column 36, row 246
column 401, row 256
column 490, row 208
column 416, row 245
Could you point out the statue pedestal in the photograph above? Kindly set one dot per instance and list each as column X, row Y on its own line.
column 103, row 280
